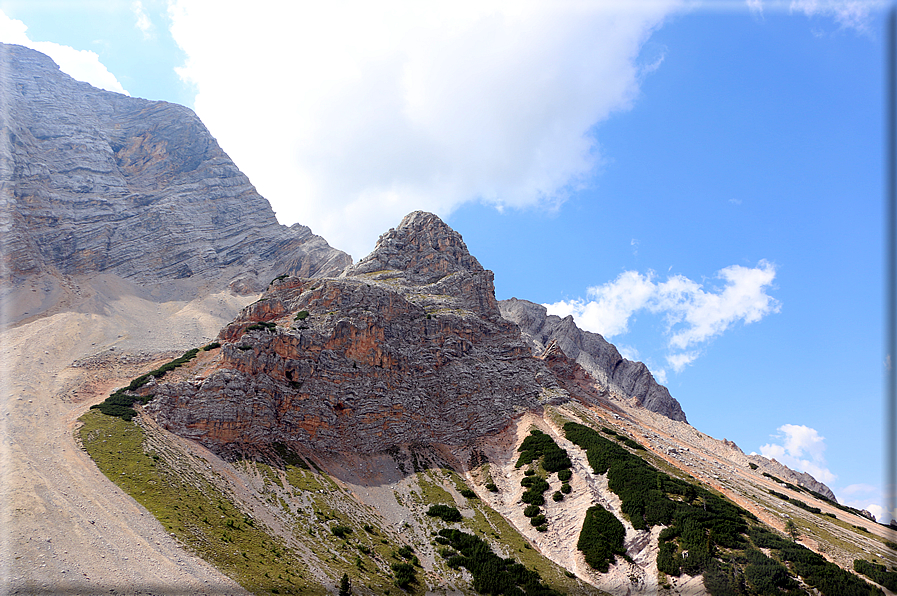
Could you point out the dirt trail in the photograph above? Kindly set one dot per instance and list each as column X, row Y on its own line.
column 65, row 528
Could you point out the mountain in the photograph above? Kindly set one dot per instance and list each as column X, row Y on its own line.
column 95, row 182
column 406, row 347
column 387, row 422
column 595, row 354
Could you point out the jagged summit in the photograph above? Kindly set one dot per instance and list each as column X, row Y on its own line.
column 406, row 347
column 430, row 260
column 423, row 248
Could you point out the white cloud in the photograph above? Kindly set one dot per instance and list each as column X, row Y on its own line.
column 82, row 65
column 849, row 14
column 681, row 360
column 353, row 114
column 143, row 21
column 693, row 315
column 803, row 450
column 755, row 6
column 866, row 496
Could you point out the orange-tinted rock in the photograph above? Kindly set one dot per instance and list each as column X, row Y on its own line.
column 386, row 356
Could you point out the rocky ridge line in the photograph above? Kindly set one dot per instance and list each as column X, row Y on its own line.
column 98, row 182
column 595, row 354
column 406, row 347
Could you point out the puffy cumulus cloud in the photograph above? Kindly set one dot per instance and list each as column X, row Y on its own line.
column 871, row 498
column 348, row 115
column 693, row 314
column 800, row 448
column 82, row 65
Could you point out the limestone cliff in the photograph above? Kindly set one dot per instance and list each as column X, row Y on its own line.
column 406, row 347
column 595, row 354
column 97, row 182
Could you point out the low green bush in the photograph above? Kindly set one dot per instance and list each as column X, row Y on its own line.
column 301, row 315
column 538, row 520
column 490, row 486
column 491, row 573
column 540, row 445
column 877, row 573
column 565, row 475
column 532, row 510
column 601, row 538
column 340, row 531
column 468, row 494
column 558, row 496
column 404, row 574
column 446, row 513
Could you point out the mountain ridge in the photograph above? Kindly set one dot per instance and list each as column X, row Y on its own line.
column 98, row 182
column 415, row 324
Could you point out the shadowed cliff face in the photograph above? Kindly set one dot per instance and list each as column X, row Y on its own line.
column 406, row 347
column 595, row 354
column 97, row 182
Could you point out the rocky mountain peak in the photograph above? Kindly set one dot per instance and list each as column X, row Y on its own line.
column 99, row 182
column 423, row 248
column 408, row 346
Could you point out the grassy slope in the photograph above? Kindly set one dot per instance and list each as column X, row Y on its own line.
column 309, row 558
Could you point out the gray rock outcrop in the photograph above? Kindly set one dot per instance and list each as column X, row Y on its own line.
column 406, row 347
column 595, row 354
column 97, row 182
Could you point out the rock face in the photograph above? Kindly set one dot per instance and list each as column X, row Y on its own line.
column 595, row 354
column 406, row 347
column 98, row 182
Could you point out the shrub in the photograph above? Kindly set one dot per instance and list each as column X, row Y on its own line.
column 491, row 573
column 341, row 531
column 601, row 538
column 698, row 519
column 529, row 472
column 566, row 489
column 212, row 346
column 490, row 486
column 468, row 494
column 538, row 520
column 445, row 512
column 558, row 496
column 565, row 475
column 753, row 465
column 532, row 510
column 404, row 574
column 877, row 573
column 540, row 445
column 301, row 315
column 533, row 495
column 406, row 552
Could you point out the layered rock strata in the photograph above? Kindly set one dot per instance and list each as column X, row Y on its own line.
column 406, row 347
column 97, row 182
column 595, row 354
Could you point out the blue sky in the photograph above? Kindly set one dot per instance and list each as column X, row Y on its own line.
column 700, row 182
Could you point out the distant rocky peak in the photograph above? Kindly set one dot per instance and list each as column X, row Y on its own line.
column 423, row 248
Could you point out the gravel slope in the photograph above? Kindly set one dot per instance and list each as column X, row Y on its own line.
column 65, row 528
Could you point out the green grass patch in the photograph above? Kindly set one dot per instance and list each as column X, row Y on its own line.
column 194, row 511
